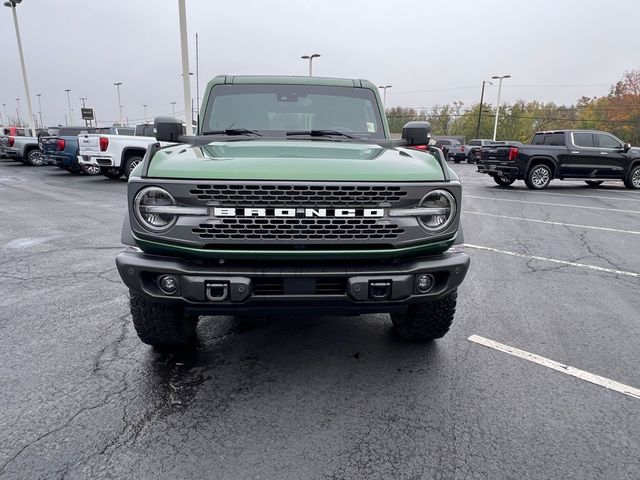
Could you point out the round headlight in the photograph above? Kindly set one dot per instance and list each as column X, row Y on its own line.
column 444, row 205
column 150, row 197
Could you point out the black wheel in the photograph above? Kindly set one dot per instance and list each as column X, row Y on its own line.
column 633, row 179
column 34, row 158
column 130, row 164
column 90, row 169
column 111, row 172
column 503, row 181
column 161, row 325
column 456, row 159
column 539, row 177
column 593, row 183
column 426, row 321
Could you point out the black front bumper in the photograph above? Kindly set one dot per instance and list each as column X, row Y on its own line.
column 349, row 288
column 500, row 169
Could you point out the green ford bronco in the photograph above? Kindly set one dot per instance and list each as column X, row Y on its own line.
column 291, row 196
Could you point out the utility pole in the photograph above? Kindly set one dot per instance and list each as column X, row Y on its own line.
column 495, row 125
column 40, row 109
column 69, row 103
column 186, row 81
column 145, row 112
column 481, row 103
column 18, row 111
column 173, row 105
column 117, row 84
column 12, row 4
column 197, row 77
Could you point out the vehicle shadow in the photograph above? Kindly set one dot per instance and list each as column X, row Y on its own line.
column 327, row 355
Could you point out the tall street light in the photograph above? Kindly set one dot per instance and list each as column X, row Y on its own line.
column 384, row 94
column 173, row 105
column 186, row 80
column 310, row 58
column 145, row 112
column 12, row 4
column 481, row 103
column 495, row 125
column 4, row 107
column 68, row 90
column 117, row 84
column 18, row 111
column 40, row 109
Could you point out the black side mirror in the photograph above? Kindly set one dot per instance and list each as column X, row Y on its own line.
column 168, row 129
column 626, row 148
column 417, row 133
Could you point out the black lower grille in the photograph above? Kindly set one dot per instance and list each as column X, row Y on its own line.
column 278, row 286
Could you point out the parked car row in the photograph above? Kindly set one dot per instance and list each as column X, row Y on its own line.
column 589, row 155
column 111, row 151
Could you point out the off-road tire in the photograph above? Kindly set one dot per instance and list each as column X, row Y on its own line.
column 426, row 321
column 34, row 158
column 456, row 160
column 593, row 183
column 633, row 179
column 130, row 164
column 503, row 181
column 538, row 177
column 161, row 325
column 112, row 173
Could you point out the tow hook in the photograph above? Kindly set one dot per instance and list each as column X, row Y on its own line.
column 216, row 292
column 380, row 290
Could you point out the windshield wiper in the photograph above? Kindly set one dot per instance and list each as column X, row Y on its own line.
column 320, row 133
column 233, row 131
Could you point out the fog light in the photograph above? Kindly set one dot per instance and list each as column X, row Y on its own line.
column 424, row 283
column 168, row 284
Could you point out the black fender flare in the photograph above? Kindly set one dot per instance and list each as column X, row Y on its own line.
column 543, row 159
column 127, row 235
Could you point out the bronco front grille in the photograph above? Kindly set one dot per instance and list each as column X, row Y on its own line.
column 253, row 195
column 298, row 229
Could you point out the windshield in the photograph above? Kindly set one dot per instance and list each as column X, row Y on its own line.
column 274, row 110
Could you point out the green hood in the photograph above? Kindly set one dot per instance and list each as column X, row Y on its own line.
column 304, row 160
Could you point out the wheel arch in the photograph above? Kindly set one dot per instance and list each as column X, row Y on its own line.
column 543, row 160
column 129, row 152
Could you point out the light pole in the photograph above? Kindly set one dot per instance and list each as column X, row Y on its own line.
column 4, row 107
column 40, row 109
column 481, row 102
column 186, row 81
column 495, row 125
column 18, row 111
column 310, row 58
column 173, row 105
column 68, row 90
column 117, row 84
column 145, row 112
column 384, row 94
column 12, row 4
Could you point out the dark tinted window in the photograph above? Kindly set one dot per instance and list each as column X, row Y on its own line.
column 538, row 139
column 556, row 139
column 583, row 139
column 607, row 141
column 475, row 143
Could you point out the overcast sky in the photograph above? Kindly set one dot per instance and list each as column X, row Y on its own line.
column 431, row 52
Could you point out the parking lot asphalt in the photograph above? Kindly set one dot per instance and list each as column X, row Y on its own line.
column 327, row 397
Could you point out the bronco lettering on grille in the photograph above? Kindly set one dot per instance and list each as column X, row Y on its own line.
column 299, row 212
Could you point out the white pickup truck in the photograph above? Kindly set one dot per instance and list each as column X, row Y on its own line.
column 116, row 155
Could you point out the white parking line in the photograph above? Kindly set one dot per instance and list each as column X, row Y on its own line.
column 548, row 222
column 553, row 260
column 559, row 367
column 520, row 191
column 553, row 204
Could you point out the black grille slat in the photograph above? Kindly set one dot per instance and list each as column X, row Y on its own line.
column 256, row 195
column 298, row 229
